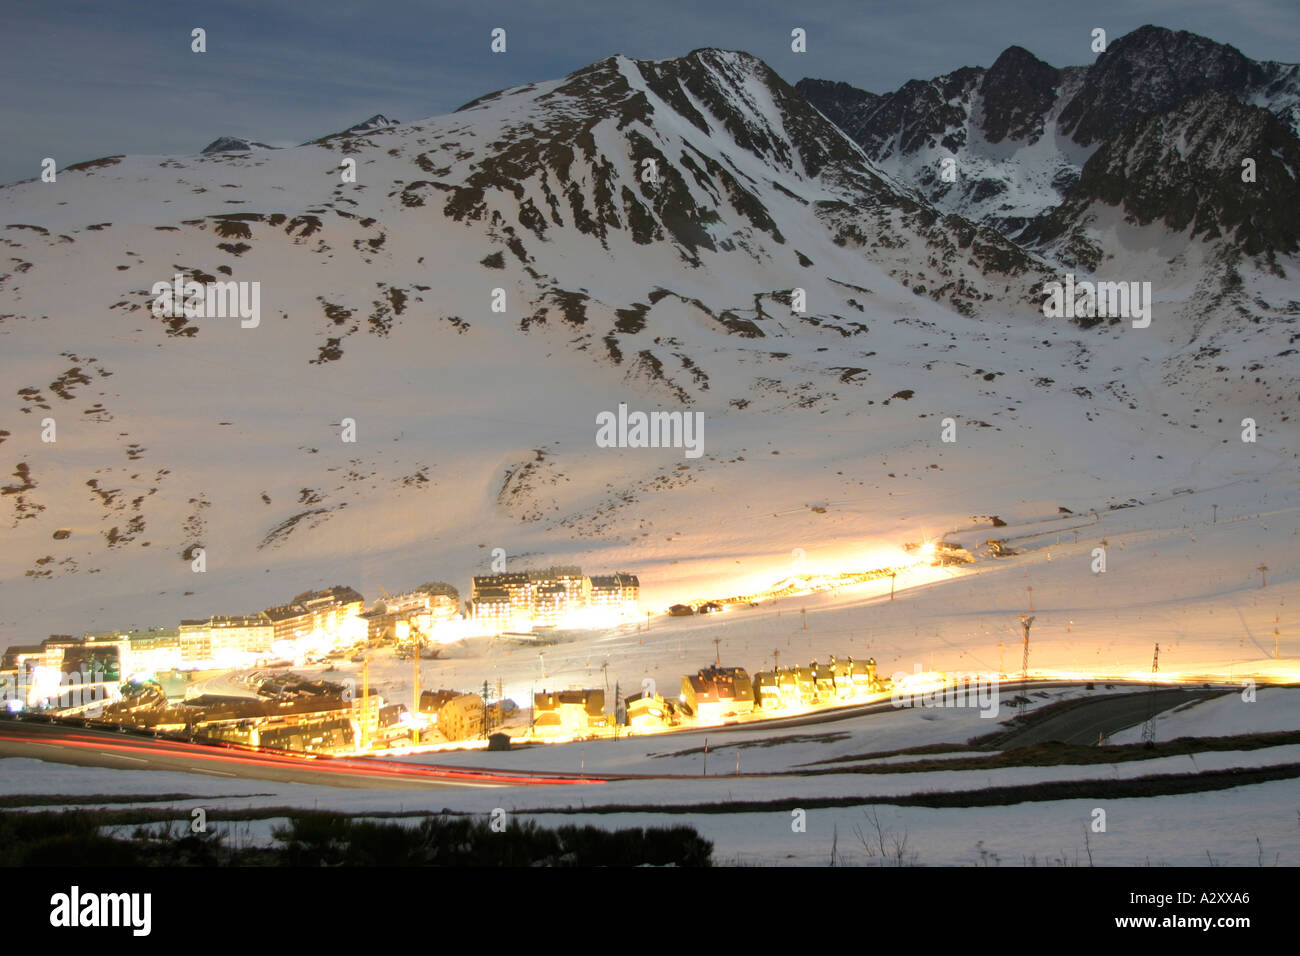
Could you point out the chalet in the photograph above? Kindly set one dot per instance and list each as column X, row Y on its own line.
column 824, row 682
column 649, row 713
column 806, row 681
column 788, row 682
column 843, row 671
column 767, row 691
column 854, row 678
column 869, row 682
column 569, row 713
column 717, row 692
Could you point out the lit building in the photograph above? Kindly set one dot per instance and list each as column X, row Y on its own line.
column 854, row 678
column 558, row 591
column 54, row 647
column 788, row 683
column 148, row 652
column 577, row 586
column 569, row 713
column 223, row 636
column 864, row 677
column 63, row 671
column 550, row 603
column 823, row 682
column 549, row 597
column 25, row 672
column 18, row 655
column 517, row 585
column 649, row 713
column 718, row 692
column 462, row 717
column 429, row 604
column 331, row 608
column 329, row 611
column 425, row 607
column 314, row 722
column 491, row 606
column 620, row 592
column 289, row 622
column 196, row 642
column 806, row 681
column 98, row 658
column 431, row 701
column 767, row 691
column 252, row 634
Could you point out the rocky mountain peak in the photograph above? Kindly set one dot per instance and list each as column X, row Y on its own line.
column 1153, row 69
column 233, row 144
column 1018, row 90
column 378, row 121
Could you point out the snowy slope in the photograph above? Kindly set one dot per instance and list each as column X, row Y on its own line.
column 1272, row 709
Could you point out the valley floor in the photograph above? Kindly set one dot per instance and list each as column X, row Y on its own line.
column 836, row 792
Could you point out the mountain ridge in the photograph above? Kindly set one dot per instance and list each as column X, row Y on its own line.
column 1059, row 116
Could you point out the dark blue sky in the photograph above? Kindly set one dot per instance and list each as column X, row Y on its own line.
column 88, row 78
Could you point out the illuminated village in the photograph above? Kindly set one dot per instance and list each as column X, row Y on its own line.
column 226, row 678
column 239, row 679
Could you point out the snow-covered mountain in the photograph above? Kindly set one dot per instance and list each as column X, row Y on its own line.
column 686, row 234
column 1212, row 167
column 239, row 144
column 233, row 144
column 378, row 121
column 375, row 124
column 1020, row 131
